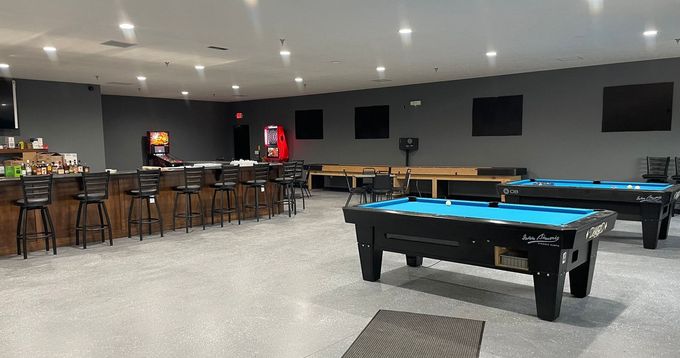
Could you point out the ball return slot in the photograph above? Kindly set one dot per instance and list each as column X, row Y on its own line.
column 510, row 258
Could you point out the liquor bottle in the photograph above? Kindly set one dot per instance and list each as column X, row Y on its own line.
column 28, row 168
column 49, row 168
column 80, row 167
column 86, row 168
column 34, row 168
column 23, row 169
column 61, row 168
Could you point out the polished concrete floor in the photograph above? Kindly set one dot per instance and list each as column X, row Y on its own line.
column 293, row 288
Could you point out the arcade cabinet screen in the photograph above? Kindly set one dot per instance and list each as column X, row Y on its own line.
column 159, row 138
column 273, row 152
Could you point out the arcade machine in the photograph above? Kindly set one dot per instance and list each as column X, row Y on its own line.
column 275, row 142
column 158, row 150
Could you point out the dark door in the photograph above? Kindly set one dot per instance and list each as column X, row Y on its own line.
column 241, row 142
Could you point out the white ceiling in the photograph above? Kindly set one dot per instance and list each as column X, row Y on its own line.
column 453, row 35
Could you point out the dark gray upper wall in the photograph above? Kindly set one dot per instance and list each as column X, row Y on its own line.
column 199, row 130
column 561, row 127
column 67, row 115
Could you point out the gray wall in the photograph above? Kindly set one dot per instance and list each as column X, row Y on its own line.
column 198, row 130
column 561, row 127
column 68, row 116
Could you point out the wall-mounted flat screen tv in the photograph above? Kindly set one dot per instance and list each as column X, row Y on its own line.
column 8, row 109
column 372, row 122
column 309, row 124
column 497, row 116
column 643, row 107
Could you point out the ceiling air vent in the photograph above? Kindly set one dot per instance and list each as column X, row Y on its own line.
column 120, row 83
column 218, row 48
column 115, row 43
column 382, row 80
column 570, row 59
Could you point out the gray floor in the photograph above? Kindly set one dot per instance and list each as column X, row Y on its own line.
column 293, row 288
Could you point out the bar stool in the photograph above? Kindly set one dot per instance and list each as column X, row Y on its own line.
column 259, row 185
column 286, row 188
column 226, row 185
column 301, row 179
column 95, row 191
column 148, row 188
column 193, row 181
column 37, row 191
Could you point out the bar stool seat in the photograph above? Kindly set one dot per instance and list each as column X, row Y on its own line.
column 96, row 192
column 32, row 202
column 192, row 188
column 287, row 190
column 143, row 192
column 224, row 185
column 91, row 198
column 259, row 185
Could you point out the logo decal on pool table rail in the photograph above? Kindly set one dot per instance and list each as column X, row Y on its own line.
column 540, row 239
column 595, row 231
column 649, row 198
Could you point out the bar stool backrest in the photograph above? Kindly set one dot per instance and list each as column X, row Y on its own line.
column 299, row 169
column 229, row 174
column 96, row 185
column 349, row 182
column 658, row 165
column 193, row 176
column 148, row 180
column 677, row 165
column 289, row 170
column 261, row 171
column 37, row 188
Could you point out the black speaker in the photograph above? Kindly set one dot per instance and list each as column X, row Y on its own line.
column 408, row 144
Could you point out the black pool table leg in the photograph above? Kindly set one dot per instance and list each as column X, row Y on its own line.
column 548, row 288
column 651, row 224
column 371, row 261
column 414, row 261
column 581, row 278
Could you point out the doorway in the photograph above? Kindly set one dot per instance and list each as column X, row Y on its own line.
column 241, row 142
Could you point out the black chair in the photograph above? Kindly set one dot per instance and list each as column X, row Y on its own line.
column 382, row 187
column 404, row 189
column 37, row 192
column 676, row 177
column 286, row 189
column 226, row 185
column 95, row 191
column 193, row 181
column 355, row 191
column 301, row 180
column 657, row 169
column 368, row 182
column 148, row 189
column 259, row 185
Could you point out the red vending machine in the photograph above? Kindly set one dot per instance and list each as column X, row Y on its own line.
column 275, row 142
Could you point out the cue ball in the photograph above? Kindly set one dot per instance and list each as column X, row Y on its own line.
column 629, row 186
column 448, row 203
column 637, row 187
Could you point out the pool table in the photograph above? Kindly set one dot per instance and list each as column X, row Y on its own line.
column 650, row 203
column 546, row 242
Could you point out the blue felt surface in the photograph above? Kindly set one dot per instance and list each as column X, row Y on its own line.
column 622, row 185
column 547, row 215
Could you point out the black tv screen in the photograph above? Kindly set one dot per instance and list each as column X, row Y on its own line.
column 497, row 116
column 8, row 118
column 645, row 107
column 309, row 124
column 372, row 122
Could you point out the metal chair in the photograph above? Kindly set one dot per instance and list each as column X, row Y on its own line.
column 286, row 188
column 301, row 180
column 193, row 181
column 657, row 169
column 676, row 177
column 355, row 191
column 37, row 195
column 382, row 187
column 404, row 189
column 95, row 191
column 259, row 185
column 226, row 186
column 148, row 188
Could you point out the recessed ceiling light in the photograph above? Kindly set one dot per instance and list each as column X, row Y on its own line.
column 126, row 26
column 335, row 62
column 4, row 65
column 49, row 49
column 405, row 31
column 284, row 53
column 184, row 93
column 141, row 78
column 650, row 33
column 380, row 68
column 199, row 67
column 235, row 87
column 491, row 54
column 298, row 79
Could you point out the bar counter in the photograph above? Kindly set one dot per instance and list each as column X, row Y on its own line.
column 64, row 207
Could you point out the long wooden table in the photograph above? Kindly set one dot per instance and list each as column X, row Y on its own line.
column 435, row 175
column 64, row 207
